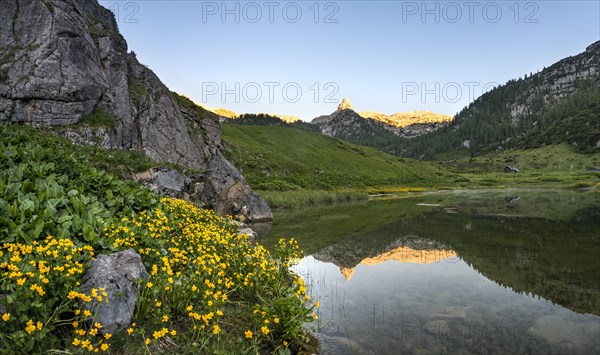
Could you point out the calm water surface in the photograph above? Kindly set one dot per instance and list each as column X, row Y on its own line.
column 460, row 272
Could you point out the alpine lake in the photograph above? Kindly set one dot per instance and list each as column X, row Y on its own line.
column 453, row 272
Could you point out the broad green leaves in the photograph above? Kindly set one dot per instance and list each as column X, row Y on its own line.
column 48, row 190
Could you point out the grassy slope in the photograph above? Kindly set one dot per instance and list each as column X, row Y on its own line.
column 278, row 158
column 550, row 166
column 265, row 154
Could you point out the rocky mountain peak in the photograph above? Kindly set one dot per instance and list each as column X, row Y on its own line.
column 344, row 105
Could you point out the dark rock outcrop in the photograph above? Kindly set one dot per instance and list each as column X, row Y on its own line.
column 116, row 274
column 61, row 60
column 224, row 190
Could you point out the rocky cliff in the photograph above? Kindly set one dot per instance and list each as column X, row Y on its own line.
column 558, row 104
column 557, row 82
column 62, row 60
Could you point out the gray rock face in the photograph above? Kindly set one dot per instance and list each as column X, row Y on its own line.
column 171, row 179
column 235, row 196
column 118, row 274
column 99, row 137
column 558, row 81
column 62, row 59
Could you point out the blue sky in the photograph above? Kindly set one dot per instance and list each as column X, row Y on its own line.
column 301, row 58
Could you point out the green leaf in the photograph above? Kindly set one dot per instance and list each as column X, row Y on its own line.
column 64, row 218
column 28, row 187
column 39, row 227
column 26, row 238
column 26, row 204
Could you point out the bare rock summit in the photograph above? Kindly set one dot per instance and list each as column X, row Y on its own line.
column 344, row 105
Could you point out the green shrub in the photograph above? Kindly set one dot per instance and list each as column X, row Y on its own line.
column 45, row 191
column 100, row 118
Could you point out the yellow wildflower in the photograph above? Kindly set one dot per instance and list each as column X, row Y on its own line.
column 30, row 328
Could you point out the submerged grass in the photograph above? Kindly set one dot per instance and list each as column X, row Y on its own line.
column 289, row 199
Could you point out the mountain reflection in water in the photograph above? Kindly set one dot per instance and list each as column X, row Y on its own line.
column 461, row 272
column 402, row 254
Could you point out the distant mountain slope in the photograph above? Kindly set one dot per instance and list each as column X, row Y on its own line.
column 345, row 123
column 404, row 119
column 262, row 119
column 225, row 113
column 281, row 158
column 559, row 104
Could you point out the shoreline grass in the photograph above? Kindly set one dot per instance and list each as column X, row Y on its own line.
column 301, row 198
column 297, row 198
